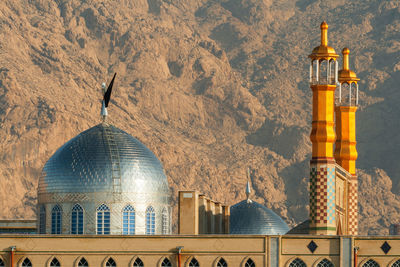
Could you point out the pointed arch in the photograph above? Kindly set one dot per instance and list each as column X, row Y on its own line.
column 128, row 220
column 166, row 263
column 395, row 263
column 2, row 263
column 82, row 262
column 56, row 219
column 297, row 262
column 165, row 221
column 55, row 262
column 26, row 263
column 325, row 263
column 77, row 216
column 150, row 221
column 110, row 263
column 249, row 263
column 221, row 262
column 193, row 262
column 370, row 263
column 137, row 262
column 103, row 220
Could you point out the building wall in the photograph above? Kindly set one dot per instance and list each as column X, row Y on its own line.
column 271, row 251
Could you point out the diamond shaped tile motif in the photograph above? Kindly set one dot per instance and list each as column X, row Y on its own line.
column 385, row 247
column 312, row 246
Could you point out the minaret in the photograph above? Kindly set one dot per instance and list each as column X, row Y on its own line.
column 323, row 79
column 345, row 149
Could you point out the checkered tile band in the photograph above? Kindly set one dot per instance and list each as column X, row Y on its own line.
column 353, row 208
column 322, row 195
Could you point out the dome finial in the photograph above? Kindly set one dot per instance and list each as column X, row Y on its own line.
column 248, row 187
column 324, row 33
column 106, row 98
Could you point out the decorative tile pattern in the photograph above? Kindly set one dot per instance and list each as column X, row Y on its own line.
column 353, row 208
column 386, row 247
column 312, row 246
column 322, row 195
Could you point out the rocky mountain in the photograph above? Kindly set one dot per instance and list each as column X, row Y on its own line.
column 211, row 86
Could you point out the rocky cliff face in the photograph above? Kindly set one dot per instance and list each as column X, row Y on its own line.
column 212, row 87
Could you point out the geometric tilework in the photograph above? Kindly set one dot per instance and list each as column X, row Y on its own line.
column 322, row 195
column 353, row 208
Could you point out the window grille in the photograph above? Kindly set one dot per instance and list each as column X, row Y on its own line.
column 222, row 263
column 138, row 263
column 250, row 263
column 77, row 220
column 83, row 263
column 111, row 263
column 297, row 263
column 371, row 263
column 165, row 222
column 150, row 221
column 194, row 263
column 103, row 220
column 166, row 263
column 55, row 263
column 325, row 263
column 26, row 263
column 42, row 217
column 56, row 220
column 395, row 264
column 128, row 220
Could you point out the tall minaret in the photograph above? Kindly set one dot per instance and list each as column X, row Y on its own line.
column 345, row 148
column 323, row 79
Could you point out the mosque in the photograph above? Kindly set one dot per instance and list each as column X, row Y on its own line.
column 104, row 200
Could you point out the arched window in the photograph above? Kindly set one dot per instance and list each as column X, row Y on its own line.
column 42, row 219
column 26, row 263
column 128, row 220
column 396, row 264
column 138, row 263
column 325, row 263
column 222, row 263
column 297, row 263
column 56, row 220
column 166, row 263
column 83, row 263
column 165, row 222
column 2, row 263
column 250, row 263
column 77, row 220
column 103, row 220
column 55, row 263
column 194, row 263
column 111, row 263
column 370, row 263
column 150, row 221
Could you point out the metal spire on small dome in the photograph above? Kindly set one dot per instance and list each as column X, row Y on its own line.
column 106, row 97
column 248, row 187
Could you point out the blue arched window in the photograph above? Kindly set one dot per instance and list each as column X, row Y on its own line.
column 56, row 220
column 103, row 220
column 128, row 220
column 111, row 263
column 138, row 263
column 83, row 263
column 2, row 263
column 165, row 221
column 77, row 220
column 222, row 263
column 166, row 263
column 26, row 263
column 42, row 219
column 55, row 263
column 150, row 221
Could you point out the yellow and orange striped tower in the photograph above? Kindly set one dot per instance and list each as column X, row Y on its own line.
column 345, row 149
column 323, row 79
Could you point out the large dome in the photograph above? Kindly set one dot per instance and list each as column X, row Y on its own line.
column 251, row 218
column 89, row 161
column 104, row 172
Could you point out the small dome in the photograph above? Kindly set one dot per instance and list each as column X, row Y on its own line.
column 251, row 218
